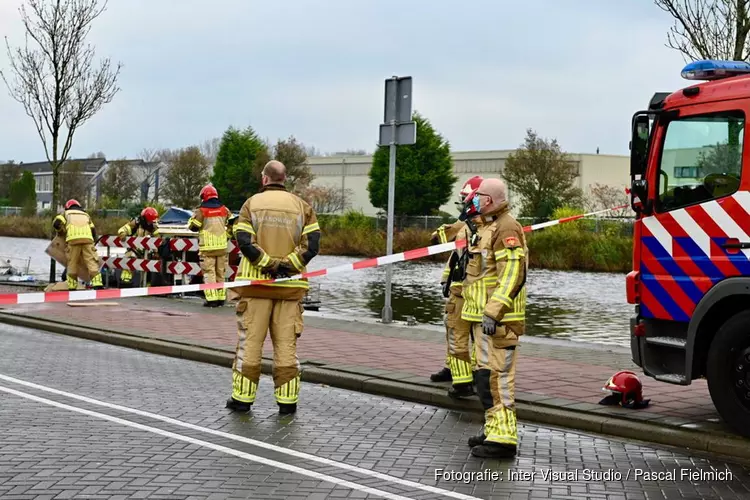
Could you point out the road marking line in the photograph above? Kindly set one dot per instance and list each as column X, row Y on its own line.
column 206, row 444
column 234, row 437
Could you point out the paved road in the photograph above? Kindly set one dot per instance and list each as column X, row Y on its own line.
column 81, row 419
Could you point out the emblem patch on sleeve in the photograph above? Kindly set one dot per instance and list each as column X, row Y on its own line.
column 511, row 242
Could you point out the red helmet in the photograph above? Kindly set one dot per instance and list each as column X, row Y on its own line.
column 150, row 214
column 627, row 390
column 71, row 203
column 469, row 186
column 208, row 192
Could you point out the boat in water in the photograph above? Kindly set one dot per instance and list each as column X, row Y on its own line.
column 15, row 270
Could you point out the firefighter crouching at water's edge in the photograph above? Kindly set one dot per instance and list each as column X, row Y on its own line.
column 494, row 294
column 459, row 362
column 210, row 219
column 278, row 235
column 143, row 225
column 80, row 237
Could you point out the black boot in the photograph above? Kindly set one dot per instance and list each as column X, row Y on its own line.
column 477, row 440
column 494, row 450
column 443, row 375
column 287, row 409
column 235, row 405
column 221, row 303
column 461, row 391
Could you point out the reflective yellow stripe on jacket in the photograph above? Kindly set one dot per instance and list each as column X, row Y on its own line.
column 478, row 293
column 78, row 226
column 249, row 271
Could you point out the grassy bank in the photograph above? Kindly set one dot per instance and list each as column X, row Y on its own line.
column 572, row 246
column 41, row 227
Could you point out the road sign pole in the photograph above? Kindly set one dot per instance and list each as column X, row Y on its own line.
column 387, row 309
column 397, row 129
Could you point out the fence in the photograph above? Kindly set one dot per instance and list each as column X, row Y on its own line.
column 616, row 225
column 7, row 211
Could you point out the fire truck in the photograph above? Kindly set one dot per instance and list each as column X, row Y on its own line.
column 690, row 282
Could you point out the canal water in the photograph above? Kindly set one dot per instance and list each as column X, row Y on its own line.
column 578, row 306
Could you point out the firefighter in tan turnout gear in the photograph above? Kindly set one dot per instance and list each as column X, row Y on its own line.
column 143, row 225
column 459, row 362
column 210, row 220
column 278, row 234
column 494, row 293
column 79, row 232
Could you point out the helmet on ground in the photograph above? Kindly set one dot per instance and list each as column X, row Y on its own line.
column 208, row 192
column 71, row 203
column 627, row 391
column 150, row 214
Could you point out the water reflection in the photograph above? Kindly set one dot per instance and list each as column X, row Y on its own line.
column 588, row 307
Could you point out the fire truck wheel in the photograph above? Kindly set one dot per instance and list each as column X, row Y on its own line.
column 728, row 372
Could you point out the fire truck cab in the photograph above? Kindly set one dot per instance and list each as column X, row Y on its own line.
column 690, row 189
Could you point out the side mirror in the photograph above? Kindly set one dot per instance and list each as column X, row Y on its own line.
column 639, row 145
column 639, row 195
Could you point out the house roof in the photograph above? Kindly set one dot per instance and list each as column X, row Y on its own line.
column 90, row 165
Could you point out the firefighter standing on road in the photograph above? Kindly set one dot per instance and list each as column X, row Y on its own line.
column 278, row 235
column 211, row 219
column 494, row 294
column 80, row 237
column 459, row 362
column 143, row 225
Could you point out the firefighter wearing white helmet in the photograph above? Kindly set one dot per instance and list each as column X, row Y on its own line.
column 458, row 361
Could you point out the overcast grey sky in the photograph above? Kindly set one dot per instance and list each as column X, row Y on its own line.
column 484, row 71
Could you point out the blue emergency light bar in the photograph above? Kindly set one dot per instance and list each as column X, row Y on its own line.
column 714, row 70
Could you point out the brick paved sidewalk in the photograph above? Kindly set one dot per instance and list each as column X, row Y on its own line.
column 559, row 373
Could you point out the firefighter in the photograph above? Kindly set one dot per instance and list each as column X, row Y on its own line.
column 143, row 225
column 494, row 293
column 75, row 225
column 459, row 363
column 210, row 219
column 278, row 234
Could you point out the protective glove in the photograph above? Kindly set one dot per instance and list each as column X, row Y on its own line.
column 284, row 270
column 489, row 325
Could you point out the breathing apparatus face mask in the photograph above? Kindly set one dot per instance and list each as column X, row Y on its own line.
column 470, row 209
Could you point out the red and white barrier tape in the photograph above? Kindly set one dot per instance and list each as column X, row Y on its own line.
column 418, row 253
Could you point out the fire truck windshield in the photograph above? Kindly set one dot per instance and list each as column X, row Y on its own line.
column 701, row 159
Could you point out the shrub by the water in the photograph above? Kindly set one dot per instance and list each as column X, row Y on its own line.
column 570, row 246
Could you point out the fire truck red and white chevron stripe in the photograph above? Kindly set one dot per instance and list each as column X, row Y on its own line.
column 40, row 297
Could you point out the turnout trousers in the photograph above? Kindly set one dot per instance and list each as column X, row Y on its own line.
column 214, row 269
column 82, row 257
column 457, row 333
column 496, row 378
column 255, row 318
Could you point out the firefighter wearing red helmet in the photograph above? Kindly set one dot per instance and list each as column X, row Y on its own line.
column 210, row 221
column 627, row 391
column 458, row 361
column 75, row 225
column 143, row 225
column 494, row 292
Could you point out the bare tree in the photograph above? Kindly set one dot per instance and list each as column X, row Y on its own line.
column 120, row 183
column 99, row 155
column 709, row 29
column 210, row 149
column 602, row 197
column 188, row 173
column 73, row 181
column 293, row 155
column 57, row 82
column 327, row 199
